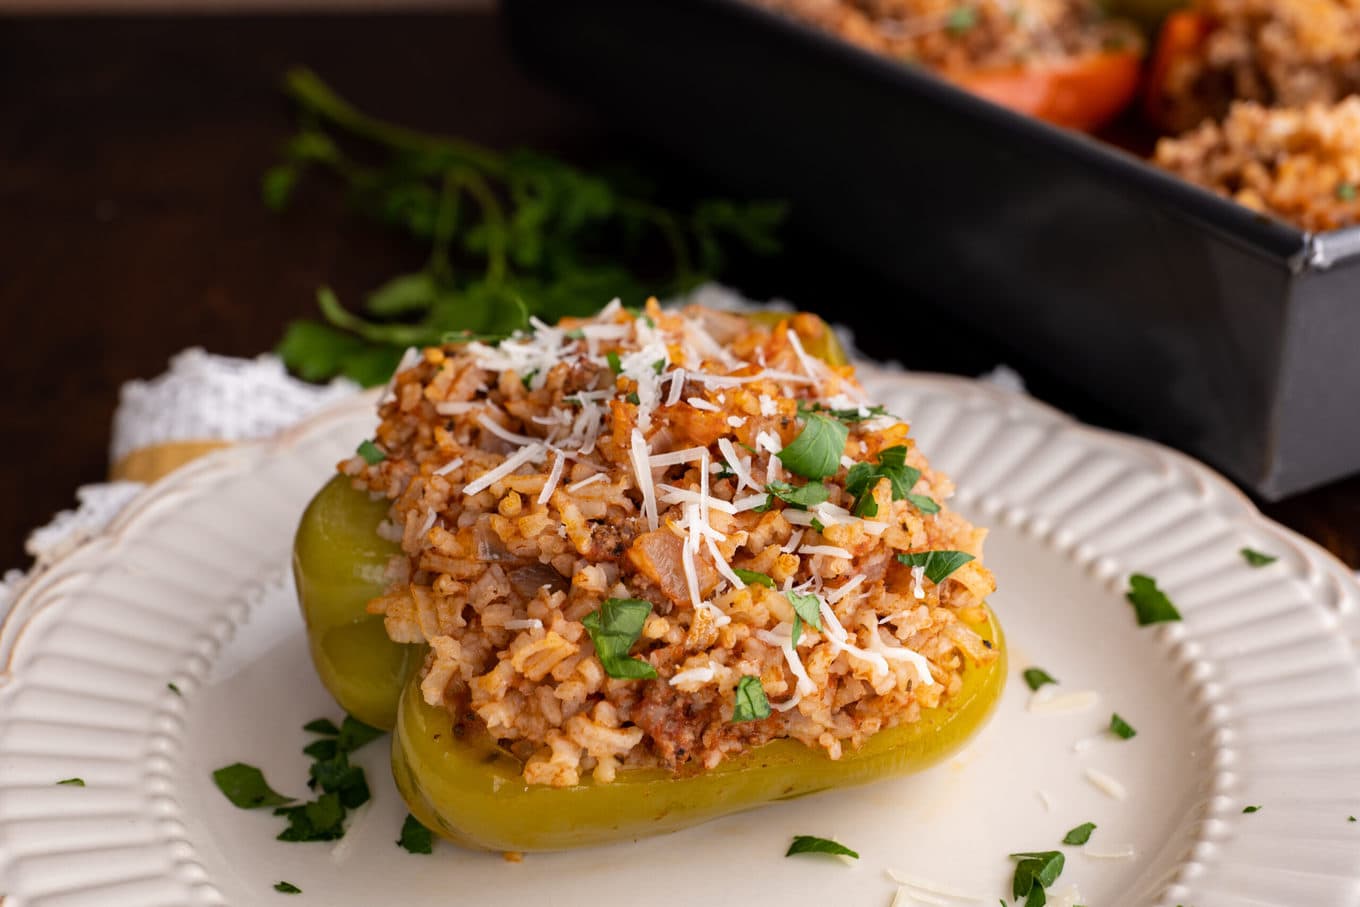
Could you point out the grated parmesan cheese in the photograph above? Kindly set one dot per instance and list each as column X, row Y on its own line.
column 512, row 462
column 554, row 476
column 826, row 550
column 642, row 471
column 701, row 403
column 587, row 481
column 532, row 623
column 449, row 466
column 1105, row 784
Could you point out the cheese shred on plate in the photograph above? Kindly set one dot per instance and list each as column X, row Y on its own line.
column 639, row 462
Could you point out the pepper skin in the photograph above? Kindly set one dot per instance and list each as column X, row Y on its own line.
column 338, row 566
column 470, row 791
column 1083, row 92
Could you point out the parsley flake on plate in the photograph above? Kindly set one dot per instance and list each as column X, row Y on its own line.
column 245, row 787
column 321, row 726
column 72, row 782
column 1257, row 558
column 1150, row 604
column 1035, row 872
column 814, row 844
column 1121, row 728
column 816, row 452
column 1037, row 677
column 613, row 628
column 372, row 453
column 938, row 564
column 751, row 704
column 287, row 888
column 415, row 838
column 1251, row 809
column 174, row 689
column 1080, row 835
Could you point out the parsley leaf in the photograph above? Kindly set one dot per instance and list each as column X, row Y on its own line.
column 1251, row 809
column 321, row 726
column 415, row 838
column 322, row 819
column 1035, row 871
column 371, row 453
column 807, row 608
column 1257, row 558
column 1080, row 835
column 863, row 478
column 72, row 782
column 287, row 888
column 800, row 496
column 750, row 704
column 174, row 689
column 1121, row 728
column 858, row 414
column 245, row 787
column 613, row 628
column 1150, row 604
column 1037, row 677
column 816, row 452
column 753, row 578
column 938, row 564
column 354, row 734
column 634, row 399
column 615, row 364
column 814, row 844
column 924, row 503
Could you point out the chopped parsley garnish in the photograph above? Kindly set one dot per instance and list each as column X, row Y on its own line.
column 753, row 578
column 1350, row 818
column 527, row 379
column 613, row 628
column 1080, row 835
column 72, row 782
column 1257, row 558
column 1037, row 677
column 817, row 525
column 575, row 334
column 816, row 452
column 924, row 503
column 961, row 19
column 354, row 734
column 863, row 478
column 1251, row 809
column 858, row 414
column 751, row 704
column 321, row 726
column 1345, row 192
column 322, row 819
column 1150, row 604
column 659, row 366
column 807, row 608
column 415, row 838
column 938, row 564
column 245, row 787
column 634, row 399
column 814, row 844
column 174, row 689
column 1035, row 872
column 1121, row 728
column 615, row 364
column 371, row 453
column 287, row 888
column 800, row 496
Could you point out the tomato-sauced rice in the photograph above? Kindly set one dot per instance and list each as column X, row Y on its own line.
column 530, row 482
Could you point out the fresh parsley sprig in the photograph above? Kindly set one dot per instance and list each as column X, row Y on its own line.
column 863, row 478
column 508, row 234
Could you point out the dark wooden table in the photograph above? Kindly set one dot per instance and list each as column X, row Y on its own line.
column 130, row 157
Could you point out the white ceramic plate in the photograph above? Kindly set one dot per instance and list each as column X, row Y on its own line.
column 1254, row 699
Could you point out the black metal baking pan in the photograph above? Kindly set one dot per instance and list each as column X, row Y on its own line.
column 1231, row 335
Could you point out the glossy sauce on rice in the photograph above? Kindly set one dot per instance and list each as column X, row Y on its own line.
column 629, row 457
